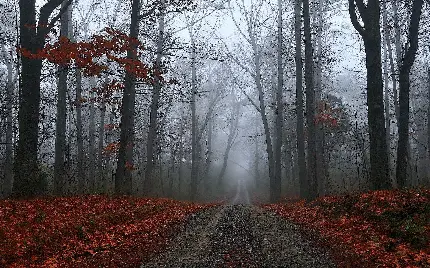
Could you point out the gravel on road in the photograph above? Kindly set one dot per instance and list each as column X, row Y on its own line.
column 240, row 236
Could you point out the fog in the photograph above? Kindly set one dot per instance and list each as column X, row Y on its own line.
column 208, row 130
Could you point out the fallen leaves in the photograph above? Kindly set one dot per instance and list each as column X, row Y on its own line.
column 374, row 229
column 87, row 231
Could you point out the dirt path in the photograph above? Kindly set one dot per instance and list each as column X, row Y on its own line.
column 240, row 236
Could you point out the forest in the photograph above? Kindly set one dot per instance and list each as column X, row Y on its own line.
column 124, row 124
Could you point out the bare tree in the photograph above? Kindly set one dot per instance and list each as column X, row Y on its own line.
column 310, row 105
column 154, row 107
column 388, row 56
column 8, row 165
column 60, row 123
column 123, row 179
column 97, row 181
column 370, row 33
column 321, row 155
column 428, row 119
column 251, row 37
column 234, row 122
column 92, row 139
column 26, row 170
column 79, row 136
column 404, row 82
column 194, row 163
column 299, row 101
column 275, row 182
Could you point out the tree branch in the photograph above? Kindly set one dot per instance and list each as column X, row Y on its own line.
column 362, row 8
column 354, row 19
column 45, row 13
column 147, row 13
column 251, row 101
column 237, row 24
column 413, row 34
column 208, row 116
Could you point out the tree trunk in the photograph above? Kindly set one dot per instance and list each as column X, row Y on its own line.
column 389, row 56
column 310, row 105
column 194, row 155
column 123, row 177
column 171, row 170
column 153, row 117
column 256, row 160
column 92, row 140
column 96, row 185
column 27, row 180
column 403, row 123
column 275, row 181
column 428, row 122
column 208, row 157
column 387, row 97
column 79, row 136
column 60, row 123
column 234, row 121
column 397, row 37
column 181, row 152
column 371, row 35
column 299, row 102
column 8, row 165
column 26, row 170
column 321, row 162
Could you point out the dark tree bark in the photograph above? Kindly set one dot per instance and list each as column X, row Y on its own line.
column 181, row 151
column 275, row 181
column 256, row 160
column 209, row 154
column 153, row 116
column 321, row 156
column 26, row 171
column 91, row 141
column 194, row 141
column 398, row 46
column 428, row 121
column 97, row 182
column 404, row 82
column 8, row 165
column 60, row 123
column 79, row 136
column 79, row 129
column 299, row 102
column 386, row 43
column 371, row 35
column 310, row 106
column 123, row 178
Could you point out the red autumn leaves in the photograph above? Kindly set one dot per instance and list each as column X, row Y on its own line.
column 376, row 229
column 88, row 231
column 92, row 56
column 327, row 116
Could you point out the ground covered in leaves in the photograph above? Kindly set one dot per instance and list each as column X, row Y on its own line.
column 87, row 231
column 375, row 229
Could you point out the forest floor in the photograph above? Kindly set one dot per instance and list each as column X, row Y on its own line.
column 240, row 236
column 373, row 229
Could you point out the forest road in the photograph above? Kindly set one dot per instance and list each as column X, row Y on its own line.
column 240, row 236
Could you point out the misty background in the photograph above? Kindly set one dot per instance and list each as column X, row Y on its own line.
column 209, row 50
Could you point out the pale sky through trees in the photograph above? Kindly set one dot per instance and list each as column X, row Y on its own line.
column 345, row 45
column 240, row 63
